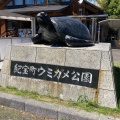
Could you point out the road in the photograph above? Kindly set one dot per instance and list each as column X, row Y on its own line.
column 13, row 114
column 116, row 54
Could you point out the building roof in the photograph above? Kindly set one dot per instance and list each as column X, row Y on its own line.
column 14, row 16
column 100, row 16
column 93, row 5
column 111, row 23
column 37, row 8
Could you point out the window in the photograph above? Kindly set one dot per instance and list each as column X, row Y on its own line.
column 66, row 0
column 9, row 4
column 40, row 1
column 29, row 2
column 11, row 25
column 18, row 2
column 53, row 1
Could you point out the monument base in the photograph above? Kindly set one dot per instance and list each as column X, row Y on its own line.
column 64, row 72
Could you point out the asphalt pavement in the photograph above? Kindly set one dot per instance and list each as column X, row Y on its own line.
column 116, row 54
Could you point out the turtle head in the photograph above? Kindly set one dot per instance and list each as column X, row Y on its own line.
column 43, row 18
column 44, row 21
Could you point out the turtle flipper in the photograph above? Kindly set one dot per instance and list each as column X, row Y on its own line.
column 76, row 42
column 36, row 39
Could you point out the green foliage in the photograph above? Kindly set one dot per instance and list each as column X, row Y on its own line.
column 111, row 7
column 103, row 3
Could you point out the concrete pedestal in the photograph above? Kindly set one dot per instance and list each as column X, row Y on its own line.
column 96, row 57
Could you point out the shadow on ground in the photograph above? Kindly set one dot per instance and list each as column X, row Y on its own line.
column 117, row 82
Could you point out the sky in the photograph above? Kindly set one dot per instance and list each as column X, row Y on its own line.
column 93, row 1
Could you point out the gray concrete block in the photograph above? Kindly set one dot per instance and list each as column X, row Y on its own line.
column 26, row 40
column 6, row 67
column 77, row 117
column 40, row 86
column 12, row 101
column 99, row 47
column 107, row 98
column 106, row 80
column 76, row 91
column 90, row 93
column 68, row 116
column 106, row 61
column 44, row 87
column 67, row 91
column 13, row 81
column 104, row 117
column 16, row 40
column 4, row 82
column 50, row 55
column 3, row 47
column 89, row 115
column 4, row 101
column 64, row 91
column 8, row 53
column 21, row 83
column 41, row 108
column 68, row 113
column 17, row 105
column 23, row 53
column 65, row 113
column 83, row 58
column 33, row 84
column 53, row 89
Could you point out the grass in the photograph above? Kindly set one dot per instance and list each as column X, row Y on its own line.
column 82, row 102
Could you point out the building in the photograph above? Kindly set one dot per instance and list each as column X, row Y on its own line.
column 110, row 32
column 32, row 7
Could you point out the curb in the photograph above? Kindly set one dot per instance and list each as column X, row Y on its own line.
column 50, row 110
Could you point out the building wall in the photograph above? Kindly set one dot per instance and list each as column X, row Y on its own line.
column 2, row 27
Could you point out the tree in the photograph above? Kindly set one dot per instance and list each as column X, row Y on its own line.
column 103, row 3
column 111, row 7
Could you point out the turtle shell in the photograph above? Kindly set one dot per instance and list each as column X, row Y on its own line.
column 70, row 26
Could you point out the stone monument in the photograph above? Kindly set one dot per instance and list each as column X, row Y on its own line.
column 63, row 72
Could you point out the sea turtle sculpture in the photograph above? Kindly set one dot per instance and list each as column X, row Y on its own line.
column 61, row 31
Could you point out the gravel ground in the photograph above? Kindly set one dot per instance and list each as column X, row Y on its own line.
column 13, row 114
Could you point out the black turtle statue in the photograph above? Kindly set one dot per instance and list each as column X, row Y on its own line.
column 61, row 31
